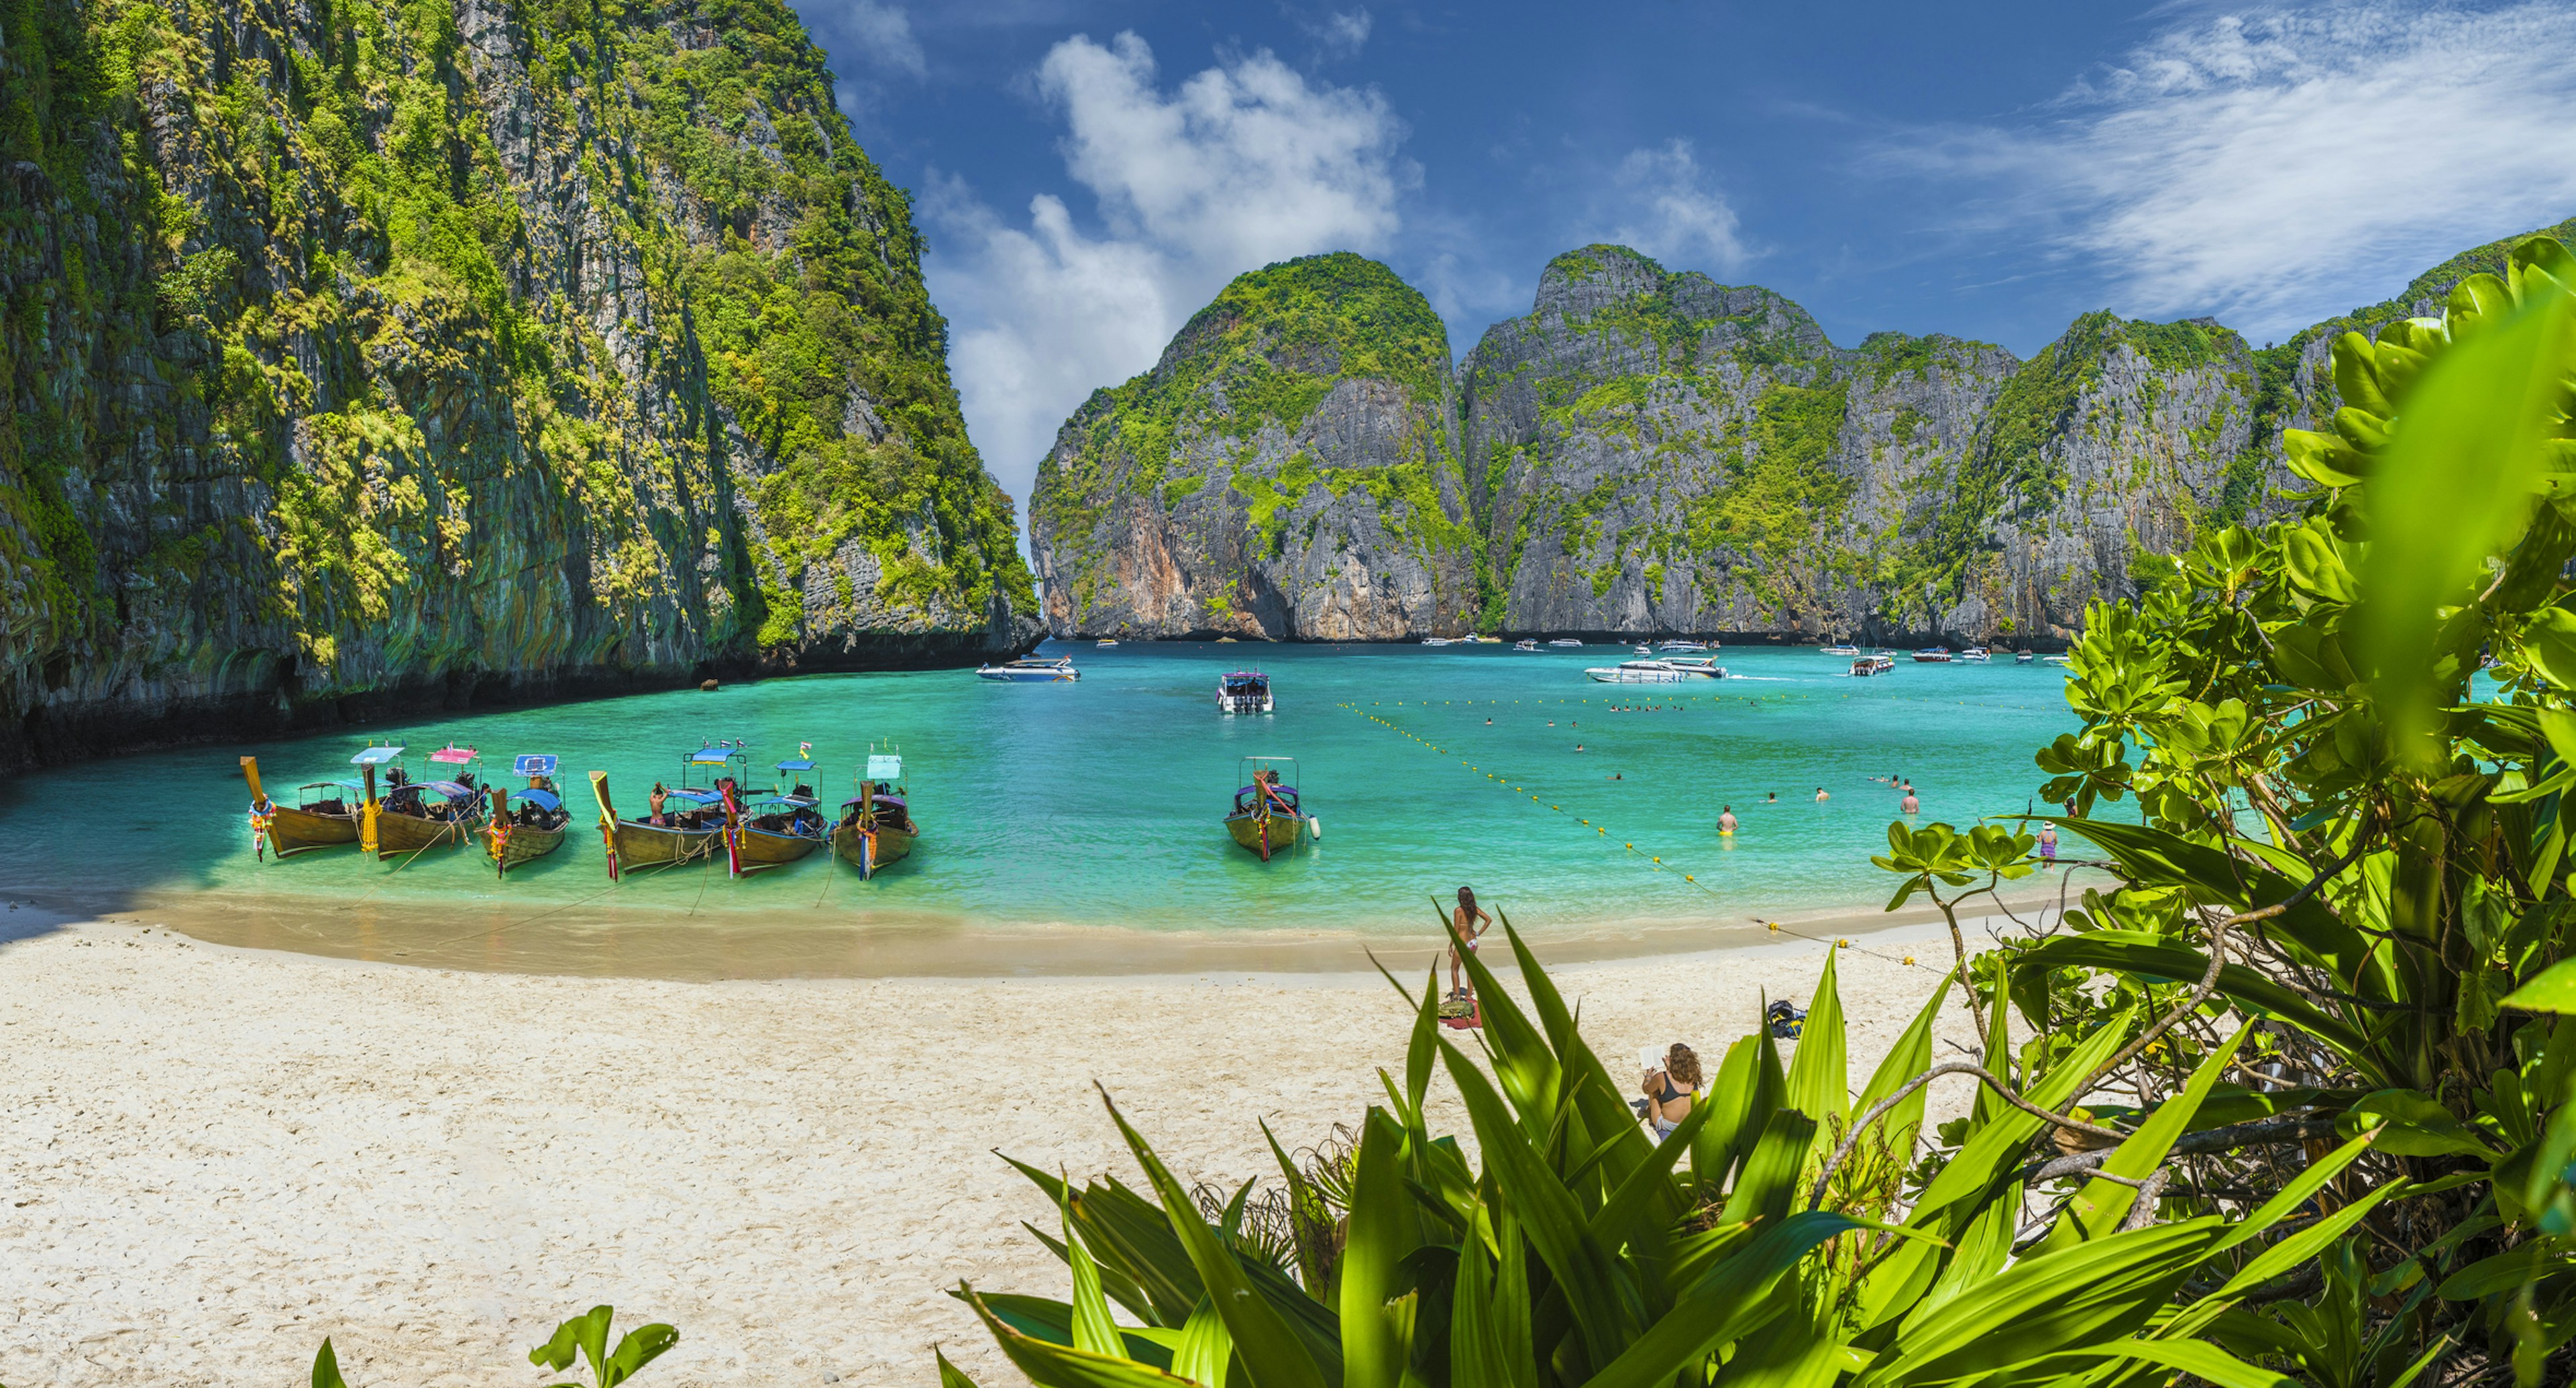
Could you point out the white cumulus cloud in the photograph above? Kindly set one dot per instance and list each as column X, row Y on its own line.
column 2275, row 165
column 1238, row 165
column 1664, row 205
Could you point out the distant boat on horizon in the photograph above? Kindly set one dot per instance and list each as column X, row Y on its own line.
column 1031, row 669
column 1933, row 655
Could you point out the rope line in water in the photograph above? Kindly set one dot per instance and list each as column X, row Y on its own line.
column 1654, row 862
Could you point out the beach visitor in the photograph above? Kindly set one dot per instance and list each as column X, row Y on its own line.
column 1772, row 799
column 1578, row 746
column 1821, row 795
column 1471, row 921
column 2048, row 843
column 1670, row 1089
column 659, row 795
column 1726, row 820
column 1909, row 804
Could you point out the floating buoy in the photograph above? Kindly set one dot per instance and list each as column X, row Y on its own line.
column 1315, row 826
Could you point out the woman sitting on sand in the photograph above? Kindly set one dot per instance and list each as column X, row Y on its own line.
column 1671, row 1089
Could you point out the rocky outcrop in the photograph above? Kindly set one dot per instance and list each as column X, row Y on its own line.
column 1649, row 452
column 366, row 358
column 1288, row 470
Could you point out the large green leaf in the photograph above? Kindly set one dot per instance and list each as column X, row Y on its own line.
column 1135, row 1244
column 2157, row 858
column 1273, row 1354
column 1769, row 1184
column 1382, row 1230
column 1819, row 1078
column 950, row 1376
column 2553, row 990
column 2099, row 1207
column 2158, row 958
column 1910, row 1056
column 2453, row 486
column 1204, row 1348
column 1052, row 1321
column 1598, row 1093
column 1093, row 1330
column 1729, row 1301
column 1729, row 1100
column 1523, row 1064
column 2201, row 1360
column 1062, row 1366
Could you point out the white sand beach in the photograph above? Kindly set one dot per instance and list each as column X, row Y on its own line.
column 214, row 1157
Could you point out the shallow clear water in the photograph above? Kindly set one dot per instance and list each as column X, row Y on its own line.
column 1100, row 802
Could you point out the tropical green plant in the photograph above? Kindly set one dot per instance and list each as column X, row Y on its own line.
column 585, row 1335
column 1574, row 1249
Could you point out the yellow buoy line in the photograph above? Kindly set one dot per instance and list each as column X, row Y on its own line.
column 1653, row 862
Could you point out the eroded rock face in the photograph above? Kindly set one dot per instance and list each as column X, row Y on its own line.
column 407, row 357
column 1652, row 453
column 1287, row 471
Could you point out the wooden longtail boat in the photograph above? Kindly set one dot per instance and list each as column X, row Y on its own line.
column 772, row 830
column 324, row 815
column 536, row 827
column 414, row 816
column 1267, row 817
column 875, row 827
column 688, row 827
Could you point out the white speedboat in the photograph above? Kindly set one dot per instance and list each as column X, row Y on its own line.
column 1933, row 655
column 1872, row 665
column 1106, row 642
column 1845, row 651
column 1525, row 645
column 1566, row 643
column 1243, row 691
column 1436, row 641
column 1643, row 649
column 1638, row 672
column 1697, row 666
column 1031, row 669
column 1681, row 647
column 1975, row 655
column 2023, row 657
column 2059, row 659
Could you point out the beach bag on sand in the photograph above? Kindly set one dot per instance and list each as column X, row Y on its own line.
column 1461, row 1014
column 1788, row 1020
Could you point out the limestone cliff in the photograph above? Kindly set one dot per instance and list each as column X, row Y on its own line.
column 1288, row 470
column 370, row 355
column 1652, row 452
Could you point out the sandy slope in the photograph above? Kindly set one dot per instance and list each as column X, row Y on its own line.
column 211, row 1158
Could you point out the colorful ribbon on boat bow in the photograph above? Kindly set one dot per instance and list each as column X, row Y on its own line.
column 261, row 812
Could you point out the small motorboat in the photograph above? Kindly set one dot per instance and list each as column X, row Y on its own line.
column 1703, row 667
column 688, row 824
column 324, row 815
column 1933, row 655
column 1243, row 691
column 1525, row 644
column 1975, row 655
column 1268, row 816
column 1437, row 641
column 2061, row 658
column 533, row 826
column 1566, row 643
column 1638, row 672
column 1842, row 650
column 875, row 827
column 1031, row 669
column 414, row 816
column 2023, row 657
column 1642, row 648
column 1872, row 665
column 1680, row 647
column 1106, row 642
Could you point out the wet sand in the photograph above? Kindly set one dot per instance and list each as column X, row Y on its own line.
column 217, row 1156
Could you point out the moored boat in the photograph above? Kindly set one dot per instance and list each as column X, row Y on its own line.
column 1243, row 691
column 529, row 824
column 1436, row 641
column 1681, row 647
column 1698, row 667
column 875, row 827
column 1525, row 644
column 1566, row 643
column 413, row 817
column 772, row 830
column 1031, row 669
column 324, row 815
column 1638, row 672
column 2023, row 657
column 2061, row 658
column 683, row 823
column 1933, row 655
column 1106, row 642
column 1975, row 655
column 1872, row 665
column 1841, row 650
column 1268, row 816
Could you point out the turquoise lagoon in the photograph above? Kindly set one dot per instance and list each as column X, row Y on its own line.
column 1049, row 808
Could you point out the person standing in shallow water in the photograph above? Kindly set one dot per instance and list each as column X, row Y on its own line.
column 2048, row 843
column 1821, row 795
column 1726, row 820
column 1471, row 920
column 1909, row 804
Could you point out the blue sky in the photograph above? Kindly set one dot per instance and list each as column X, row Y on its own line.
column 1090, row 173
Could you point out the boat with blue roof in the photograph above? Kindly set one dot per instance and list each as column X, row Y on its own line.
column 775, row 828
column 527, row 824
column 413, row 815
column 683, row 823
column 1268, row 814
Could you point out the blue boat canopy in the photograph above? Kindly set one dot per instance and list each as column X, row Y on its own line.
column 798, row 765
column 376, row 756
column 536, row 764
column 712, row 756
column 695, row 797
column 542, row 799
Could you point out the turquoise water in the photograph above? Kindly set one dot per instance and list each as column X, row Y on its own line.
column 1100, row 802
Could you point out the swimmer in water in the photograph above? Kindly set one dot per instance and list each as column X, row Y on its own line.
column 1726, row 821
column 1772, row 799
column 1578, row 746
column 1909, row 804
column 1821, row 795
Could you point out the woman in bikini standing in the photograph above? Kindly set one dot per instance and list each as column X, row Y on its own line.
column 1471, row 922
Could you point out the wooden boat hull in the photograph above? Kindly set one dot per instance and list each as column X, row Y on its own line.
column 526, row 843
column 291, row 830
column 849, row 844
column 650, row 845
column 1280, row 830
column 761, row 848
column 398, row 834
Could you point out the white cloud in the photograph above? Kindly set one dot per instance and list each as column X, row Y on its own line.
column 1239, row 165
column 878, row 35
column 1340, row 32
column 1666, row 209
column 2276, row 166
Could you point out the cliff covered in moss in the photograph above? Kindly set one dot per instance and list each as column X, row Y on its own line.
column 1288, row 470
column 1653, row 452
column 390, row 354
